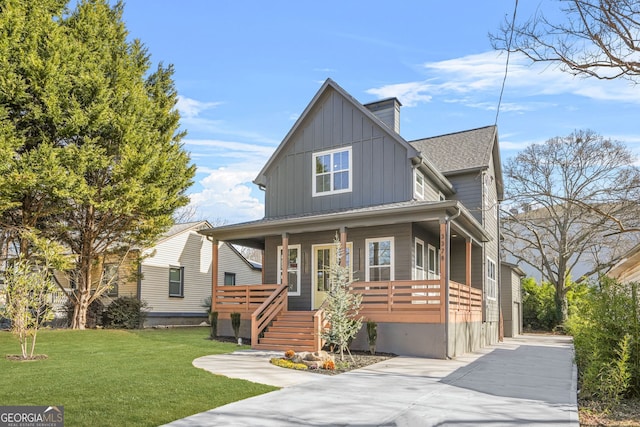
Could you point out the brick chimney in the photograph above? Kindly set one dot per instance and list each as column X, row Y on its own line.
column 388, row 111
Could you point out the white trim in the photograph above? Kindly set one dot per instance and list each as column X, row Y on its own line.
column 298, row 270
column 331, row 173
column 418, row 270
column 391, row 256
column 492, row 282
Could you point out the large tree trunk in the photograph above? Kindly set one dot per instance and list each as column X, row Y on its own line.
column 562, row 305
column 84, row 284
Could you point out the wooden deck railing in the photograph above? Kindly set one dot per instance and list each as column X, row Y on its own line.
column 241, row 299
column 320, row 322
column 267, row 311
column 404, row 301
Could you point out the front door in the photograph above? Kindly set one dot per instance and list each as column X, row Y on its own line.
column 323, row 257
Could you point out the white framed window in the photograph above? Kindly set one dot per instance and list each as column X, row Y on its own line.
column 492, row 283
column 419, row 264
column 379, row 259
column 293, row 269
column 433, row 263
column 229, row 279
column 332, row 172
column 176, row 281
column 418, row 184
column 110, row 278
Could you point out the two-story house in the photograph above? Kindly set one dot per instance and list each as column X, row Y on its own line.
column 417, row 220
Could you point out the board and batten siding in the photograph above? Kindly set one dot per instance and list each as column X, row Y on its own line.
column 381, row 170
column 230, row 262
column 189, row 250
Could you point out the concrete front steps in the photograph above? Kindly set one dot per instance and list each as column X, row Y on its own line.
column 290, row 330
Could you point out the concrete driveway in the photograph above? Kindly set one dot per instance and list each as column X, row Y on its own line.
column 530, row 380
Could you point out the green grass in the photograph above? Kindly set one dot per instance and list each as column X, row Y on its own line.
column 120, row 378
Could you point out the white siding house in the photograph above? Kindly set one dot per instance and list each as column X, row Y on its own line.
column 175, row 279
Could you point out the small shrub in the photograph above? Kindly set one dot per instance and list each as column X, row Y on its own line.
column 213, row 322
column 125, row 313
column 94, row 313
column 289, row 354
column 372, row 335
column 284, row 363
column 235, row 324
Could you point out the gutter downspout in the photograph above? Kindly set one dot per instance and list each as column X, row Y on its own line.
column 447, row 222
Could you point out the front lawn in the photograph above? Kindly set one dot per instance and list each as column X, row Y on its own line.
column 120, row 378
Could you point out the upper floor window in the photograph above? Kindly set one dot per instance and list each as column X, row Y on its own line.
column 418, row 186
column 332, row 172
column 492, row 285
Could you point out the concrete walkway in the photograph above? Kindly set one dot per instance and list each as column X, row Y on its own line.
column 530, row 380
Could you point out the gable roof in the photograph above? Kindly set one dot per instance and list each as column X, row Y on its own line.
column 183, row 227
column 328, row 85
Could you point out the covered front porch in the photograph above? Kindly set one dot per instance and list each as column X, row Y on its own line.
column 286, row 311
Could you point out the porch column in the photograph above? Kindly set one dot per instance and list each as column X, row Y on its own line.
column 214, row 273
column 285, row 260
column 343, row 246
column 262, row 261
column 444, row 274
column 468, row 271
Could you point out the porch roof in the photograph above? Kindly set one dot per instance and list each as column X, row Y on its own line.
column 429, row 214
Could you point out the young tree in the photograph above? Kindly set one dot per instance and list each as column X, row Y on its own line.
column 341, row 306
column 594, row 38
column 108, row 169
column 553, row 195
column 28, row 286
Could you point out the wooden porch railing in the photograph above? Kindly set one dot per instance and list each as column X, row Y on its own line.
column 319, row 324
column 243, row 299
column 464, row 298
column 267, row 311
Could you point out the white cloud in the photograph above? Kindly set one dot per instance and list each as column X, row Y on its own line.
column 469, row 80
column 227, row 194
column 189, row 107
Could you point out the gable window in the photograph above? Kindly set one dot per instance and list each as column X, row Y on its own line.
column 110, row 279
column 176, row 281
column 293, row 269
column 332, row 172
column 491, row 279
column 229, row 279
column 379, row 260
column 418, row 185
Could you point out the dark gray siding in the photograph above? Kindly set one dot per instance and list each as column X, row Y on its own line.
column 381, row 171
column 469, row 191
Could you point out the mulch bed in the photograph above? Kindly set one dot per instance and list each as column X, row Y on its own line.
column 19, row 358
column 625, row 414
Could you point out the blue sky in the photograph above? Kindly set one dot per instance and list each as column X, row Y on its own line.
column 245, row 70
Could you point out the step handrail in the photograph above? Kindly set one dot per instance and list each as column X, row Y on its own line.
column 320, row 321
column 268, row 310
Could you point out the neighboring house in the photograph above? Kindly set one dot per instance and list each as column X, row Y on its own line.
column 418, row 222
column 628, row 268
column 511, row 298
column 174, row 276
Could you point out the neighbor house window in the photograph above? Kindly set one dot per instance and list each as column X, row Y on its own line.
column 176, row 281
column 379, row 260
column 229, row 279
column 110, row 279
column 418, row 187
column 491, row 279
column 293, row 269
column 332, row 172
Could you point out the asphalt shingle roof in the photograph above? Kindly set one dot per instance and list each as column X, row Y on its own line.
column 469, row 149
